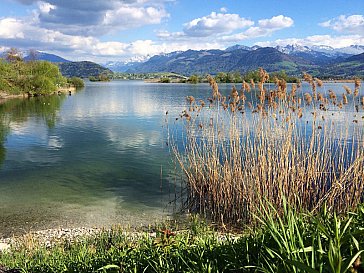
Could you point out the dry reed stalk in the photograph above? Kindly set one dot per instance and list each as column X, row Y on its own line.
column 308, row 98
column 345, row 99
column 246, row 86
column 347, row 89
column 356, row 92
column 230, row 163
column 319, row 82
column 252, row 83
column 357, row 83
column 320, row 97
column 332, row 95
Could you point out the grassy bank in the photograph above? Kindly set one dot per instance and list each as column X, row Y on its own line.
column 293, row 242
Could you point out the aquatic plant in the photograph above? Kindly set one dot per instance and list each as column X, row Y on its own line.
column 236, row 153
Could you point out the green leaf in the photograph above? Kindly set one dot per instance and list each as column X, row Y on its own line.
column 302, row 266
column 352, row 261
column 110, row 266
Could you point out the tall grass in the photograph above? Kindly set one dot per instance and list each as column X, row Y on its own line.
column 280, row 144
column 292, row 242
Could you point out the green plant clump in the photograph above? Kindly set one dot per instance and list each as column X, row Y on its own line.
column 292, row 242
column 76, row 82
column 33, row 77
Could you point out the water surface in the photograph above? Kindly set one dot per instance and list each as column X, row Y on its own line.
column 96, row 158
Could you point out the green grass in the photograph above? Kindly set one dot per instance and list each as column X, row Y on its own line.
column 293, row 242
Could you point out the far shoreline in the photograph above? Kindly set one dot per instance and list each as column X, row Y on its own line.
column 5, row 96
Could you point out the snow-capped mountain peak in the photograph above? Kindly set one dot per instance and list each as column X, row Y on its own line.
column 293, row 48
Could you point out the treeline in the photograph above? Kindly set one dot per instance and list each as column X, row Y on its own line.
column 32, row 77
column 103, row 77
column 237, row 77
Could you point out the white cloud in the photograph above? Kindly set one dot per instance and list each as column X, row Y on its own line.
column 229, row 26
column 215, row 23
column 265, row 28
column 45, row 7
column 11, row 28
column 223, row 10
column 350, row 24
column 127, row 17
column 75, row 47
column 276, row 22
column 327, row 40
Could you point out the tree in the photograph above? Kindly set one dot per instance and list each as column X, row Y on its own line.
column 193, row 79
column 76, row 82
column 220, row 77
column 165, row 80
column 13, row 55
column 236, row 77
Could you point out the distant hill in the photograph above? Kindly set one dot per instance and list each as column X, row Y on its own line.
column 356, row 58
column 83, row 69
column 42, row 56
column 352, row 66
column 68, row 68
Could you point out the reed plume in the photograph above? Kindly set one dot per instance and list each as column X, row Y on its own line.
column 276, row 151
column 246, row 86
column 357, row 83
column 308, row 98
column 345, row 99
column 347, row 89
column 252, row 83
column 319, row 82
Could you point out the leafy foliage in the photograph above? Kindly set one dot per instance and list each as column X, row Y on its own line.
column 76, row 82
column 35, row 77
column 292, row 242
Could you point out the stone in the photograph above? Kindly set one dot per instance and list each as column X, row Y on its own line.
column 4, row 246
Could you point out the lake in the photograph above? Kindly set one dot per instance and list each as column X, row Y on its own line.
column 96, row 158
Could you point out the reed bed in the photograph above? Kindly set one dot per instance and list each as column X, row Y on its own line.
column 283, row 144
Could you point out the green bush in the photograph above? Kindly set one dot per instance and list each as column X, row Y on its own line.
column 76, row 82
column 165, row 80
column 35, row 77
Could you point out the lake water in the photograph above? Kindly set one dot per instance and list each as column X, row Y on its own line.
column 96, row 158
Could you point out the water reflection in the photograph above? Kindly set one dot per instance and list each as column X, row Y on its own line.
column 15, row 112
column 96, row 158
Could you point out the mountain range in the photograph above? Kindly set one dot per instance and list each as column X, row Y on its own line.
column 319, row 60
column 323, row 61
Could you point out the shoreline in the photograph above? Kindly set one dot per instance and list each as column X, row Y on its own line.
column 5, row 96
column 49, row 237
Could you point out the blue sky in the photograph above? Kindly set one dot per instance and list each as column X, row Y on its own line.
column 131, row 29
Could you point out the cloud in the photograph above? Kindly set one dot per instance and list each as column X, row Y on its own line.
column 96, row 18
column 11, row 28
column 215, row 23
column 265, row 28
column 349, row 24
column 76, row 47
column 18, row 33
column 327, row 40
column 276, row 22
column 223, row 9
column 229, row 26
